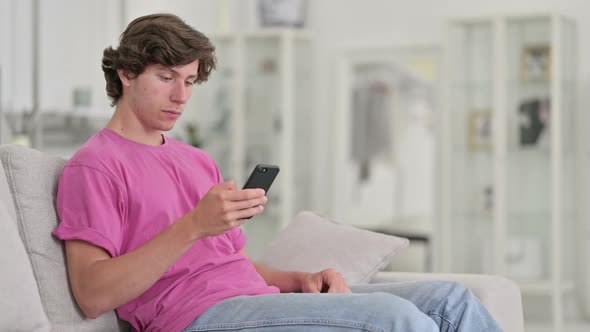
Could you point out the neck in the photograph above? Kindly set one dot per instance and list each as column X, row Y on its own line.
column 125, row 123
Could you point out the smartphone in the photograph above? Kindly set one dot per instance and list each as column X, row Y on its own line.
column 262, row 176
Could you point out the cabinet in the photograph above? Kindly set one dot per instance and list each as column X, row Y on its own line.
column 384, row 144
column 508, row 176
column 256, row 108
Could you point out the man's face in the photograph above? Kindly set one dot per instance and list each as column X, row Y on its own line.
column 157, row 97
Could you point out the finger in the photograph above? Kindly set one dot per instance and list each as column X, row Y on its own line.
column 312, row 287
column 333, row 288
column 240, row 205
column 233, row 223
column 244, row 194
column 339, row 288
column 336, row 288
column 336, row 281
column 238, row 223
column 246, row 213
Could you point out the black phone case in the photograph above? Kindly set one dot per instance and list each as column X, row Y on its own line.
column 262, row 177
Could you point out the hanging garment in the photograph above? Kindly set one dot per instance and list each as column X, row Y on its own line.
column 370, row 124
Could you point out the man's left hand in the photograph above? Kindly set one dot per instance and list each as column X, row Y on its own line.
column 326, row 281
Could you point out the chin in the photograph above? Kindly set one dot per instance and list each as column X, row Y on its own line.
column 166, row 126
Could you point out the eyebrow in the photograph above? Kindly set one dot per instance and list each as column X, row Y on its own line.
column 168, row 69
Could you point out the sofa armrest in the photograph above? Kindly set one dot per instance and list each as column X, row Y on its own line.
column 499, row 295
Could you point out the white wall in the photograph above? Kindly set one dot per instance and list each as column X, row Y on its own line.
column 201, row 14
column 73, row 35
column 15, row 53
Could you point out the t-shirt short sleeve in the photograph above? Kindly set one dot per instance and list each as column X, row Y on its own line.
column 91, row 207
column 218, row 176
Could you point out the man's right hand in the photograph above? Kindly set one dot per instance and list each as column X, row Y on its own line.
column 225, row 207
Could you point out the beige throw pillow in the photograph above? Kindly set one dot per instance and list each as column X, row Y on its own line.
column 312, row 243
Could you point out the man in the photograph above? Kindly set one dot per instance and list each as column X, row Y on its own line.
column 151, row 229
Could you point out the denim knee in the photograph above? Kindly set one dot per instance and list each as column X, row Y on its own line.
column 451, row 292
column 449, row 304
column 393, row 313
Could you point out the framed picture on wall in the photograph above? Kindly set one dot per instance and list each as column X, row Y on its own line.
column 534, row 122
column 536, row 63
column 290, row 13
column 480, row 130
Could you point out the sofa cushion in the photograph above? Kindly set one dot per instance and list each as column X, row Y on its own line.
column 32, row 178
column 312, row 243
column 6, row 197
column 20, row 303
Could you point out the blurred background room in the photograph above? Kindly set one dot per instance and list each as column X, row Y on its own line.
column 460, row 124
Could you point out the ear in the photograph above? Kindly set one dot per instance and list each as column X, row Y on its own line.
column 124, row 77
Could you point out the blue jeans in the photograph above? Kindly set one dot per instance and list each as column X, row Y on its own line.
column 404, row 307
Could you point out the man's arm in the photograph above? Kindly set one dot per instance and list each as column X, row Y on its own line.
column 101, row 283
column 328, row 280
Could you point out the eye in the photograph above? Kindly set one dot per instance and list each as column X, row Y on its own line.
column 189, row 83
column 165, row 78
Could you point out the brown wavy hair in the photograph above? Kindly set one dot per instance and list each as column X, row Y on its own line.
column 163, row 39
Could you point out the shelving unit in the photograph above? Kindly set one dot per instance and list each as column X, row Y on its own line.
column 256, row 108
column 507, row 196
column 384, row 147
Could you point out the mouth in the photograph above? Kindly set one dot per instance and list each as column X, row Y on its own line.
column 172, row 114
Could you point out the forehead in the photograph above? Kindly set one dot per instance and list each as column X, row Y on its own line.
column 188, row 69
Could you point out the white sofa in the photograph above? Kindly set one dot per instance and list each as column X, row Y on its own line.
column 34, row 287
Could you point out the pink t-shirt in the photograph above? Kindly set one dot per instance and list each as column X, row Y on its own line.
column 118, row 194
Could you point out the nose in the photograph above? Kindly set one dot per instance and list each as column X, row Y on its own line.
column 180, row 93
